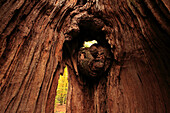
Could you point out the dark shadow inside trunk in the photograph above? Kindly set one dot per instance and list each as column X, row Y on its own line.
column 88, row 68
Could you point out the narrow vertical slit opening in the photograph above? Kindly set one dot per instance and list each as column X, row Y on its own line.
column 61, row 97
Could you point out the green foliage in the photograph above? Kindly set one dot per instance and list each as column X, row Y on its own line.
column 61, row 96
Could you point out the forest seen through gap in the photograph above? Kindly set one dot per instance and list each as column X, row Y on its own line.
column 61, row 97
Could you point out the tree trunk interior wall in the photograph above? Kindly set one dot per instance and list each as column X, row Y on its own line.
column 32, row 35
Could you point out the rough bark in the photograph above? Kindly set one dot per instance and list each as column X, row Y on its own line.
column 33, row 54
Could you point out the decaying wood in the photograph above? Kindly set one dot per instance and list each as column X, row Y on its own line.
column 32, row 37
column 93, row 61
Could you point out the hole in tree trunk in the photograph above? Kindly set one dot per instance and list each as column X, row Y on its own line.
column 88, row 64
column 87, row 50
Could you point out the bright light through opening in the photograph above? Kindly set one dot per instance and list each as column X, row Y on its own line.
column 89, row 43
column 61, row 97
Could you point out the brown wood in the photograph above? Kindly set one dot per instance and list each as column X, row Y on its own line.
column 37, row 38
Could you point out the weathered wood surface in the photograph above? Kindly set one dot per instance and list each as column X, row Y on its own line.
column 32, row 34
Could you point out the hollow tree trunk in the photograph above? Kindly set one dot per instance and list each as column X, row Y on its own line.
column 33, row 54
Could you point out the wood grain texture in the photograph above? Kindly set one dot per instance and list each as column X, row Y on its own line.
column 32, row 34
